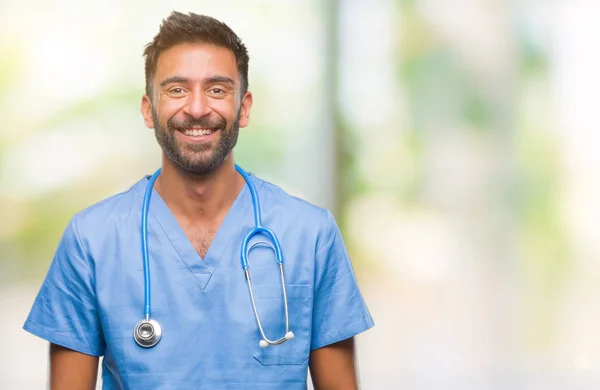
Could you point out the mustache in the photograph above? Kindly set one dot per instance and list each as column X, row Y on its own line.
column 218, row 123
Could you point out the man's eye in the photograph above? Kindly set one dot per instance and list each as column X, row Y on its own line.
column 217, row 91
column 176, row 91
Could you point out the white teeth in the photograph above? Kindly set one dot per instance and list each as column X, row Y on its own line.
column 198, row 132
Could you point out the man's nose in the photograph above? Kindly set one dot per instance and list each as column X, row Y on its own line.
column 197, row 105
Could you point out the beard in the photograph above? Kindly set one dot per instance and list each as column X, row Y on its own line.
column 198, row 159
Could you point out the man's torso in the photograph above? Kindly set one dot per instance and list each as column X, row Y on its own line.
column 210, row 335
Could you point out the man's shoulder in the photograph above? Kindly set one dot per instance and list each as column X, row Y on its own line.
column 294, row 207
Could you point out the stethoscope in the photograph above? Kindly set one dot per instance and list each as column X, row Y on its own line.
column 148, row 332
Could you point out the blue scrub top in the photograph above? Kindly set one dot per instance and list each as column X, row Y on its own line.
column 93, row 294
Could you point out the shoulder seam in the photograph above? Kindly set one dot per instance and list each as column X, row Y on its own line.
column 328, row 233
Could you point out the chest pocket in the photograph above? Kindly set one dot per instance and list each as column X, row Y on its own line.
column 270, row 307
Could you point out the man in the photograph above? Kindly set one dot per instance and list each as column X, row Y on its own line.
column 200, row 210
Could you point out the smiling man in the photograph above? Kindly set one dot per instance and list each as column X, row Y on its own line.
column 211, row 323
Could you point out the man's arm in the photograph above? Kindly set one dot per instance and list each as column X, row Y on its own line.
column 71, row 370
column 339, row 314
column 332, row 367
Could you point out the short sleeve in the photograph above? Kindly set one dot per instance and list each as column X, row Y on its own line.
column 65, row 311
column 339, row 310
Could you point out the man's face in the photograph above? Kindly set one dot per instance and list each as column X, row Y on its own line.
column 196, row 110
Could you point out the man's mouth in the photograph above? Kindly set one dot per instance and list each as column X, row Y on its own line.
column 198, row 132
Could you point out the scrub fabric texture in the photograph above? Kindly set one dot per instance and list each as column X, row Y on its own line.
column 93, row 294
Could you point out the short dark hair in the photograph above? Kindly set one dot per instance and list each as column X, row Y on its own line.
column 180, row 28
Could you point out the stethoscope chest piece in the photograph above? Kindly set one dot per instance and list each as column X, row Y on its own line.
column 147, row 333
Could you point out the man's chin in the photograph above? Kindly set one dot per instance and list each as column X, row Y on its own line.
column 199, row 167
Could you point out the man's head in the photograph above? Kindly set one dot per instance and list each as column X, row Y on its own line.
column 196, row 91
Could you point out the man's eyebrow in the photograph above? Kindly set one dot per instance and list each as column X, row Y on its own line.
column 174, row 79
column 208, row 80
column 219, row 79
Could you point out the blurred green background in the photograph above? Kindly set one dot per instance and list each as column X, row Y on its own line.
column 455, row 141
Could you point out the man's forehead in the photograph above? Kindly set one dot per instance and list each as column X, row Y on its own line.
column 197, row 60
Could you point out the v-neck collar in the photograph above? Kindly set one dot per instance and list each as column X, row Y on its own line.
column 202, row 269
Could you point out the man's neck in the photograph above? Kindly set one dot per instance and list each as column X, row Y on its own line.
column 199, row 199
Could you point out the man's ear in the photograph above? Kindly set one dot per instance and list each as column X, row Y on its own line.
column 146, row 111
column 245, row 109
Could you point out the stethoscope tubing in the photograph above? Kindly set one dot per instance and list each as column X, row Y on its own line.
column 145, row 207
